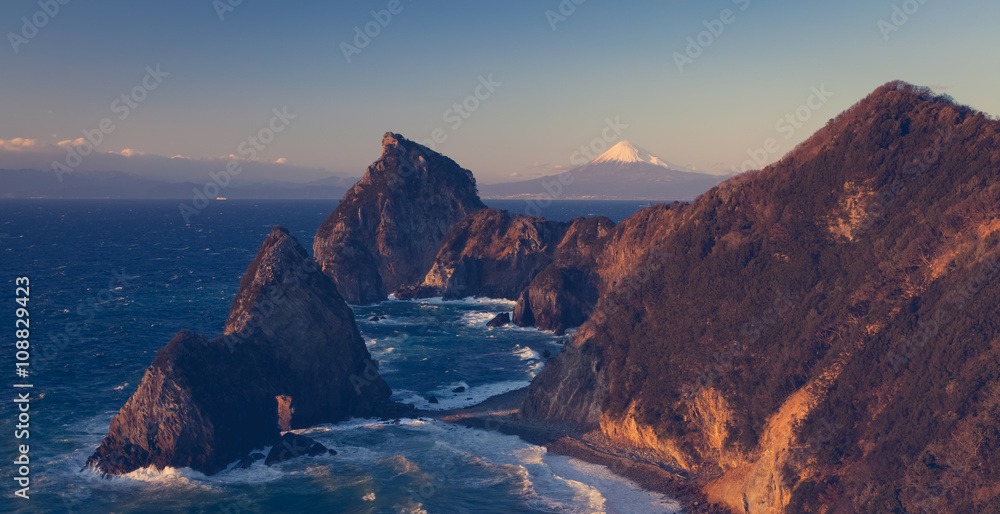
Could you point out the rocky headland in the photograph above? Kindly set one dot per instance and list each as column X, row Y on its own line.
column 818, row 336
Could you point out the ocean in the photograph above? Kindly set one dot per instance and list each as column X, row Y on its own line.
column 113, row 281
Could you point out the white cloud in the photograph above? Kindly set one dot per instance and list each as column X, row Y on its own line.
column 71, row 142
column 20, row 144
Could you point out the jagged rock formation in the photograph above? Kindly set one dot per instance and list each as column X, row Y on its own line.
column 389, row 227
column 819, row 336
column 414, row 226
column 500, row 320
column 291, row 357
column 563, row 294
column 492, row 254
column 594, row 257
column 292, row 446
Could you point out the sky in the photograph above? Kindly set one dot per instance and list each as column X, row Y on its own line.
column 536, row 83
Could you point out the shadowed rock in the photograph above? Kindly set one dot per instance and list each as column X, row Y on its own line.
column 492, row 254
column 292, row 446
column 562, row 295
column 291, row 357
column 499, row 320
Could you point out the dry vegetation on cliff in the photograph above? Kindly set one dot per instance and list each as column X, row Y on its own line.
column 839, row 309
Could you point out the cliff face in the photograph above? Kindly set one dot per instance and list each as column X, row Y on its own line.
column 819, row 336
column 389, row 227
column 490, row 253
column 593, row 258
column 291, row 357
column 565, row 292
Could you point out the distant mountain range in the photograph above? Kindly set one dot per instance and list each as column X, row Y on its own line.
column 116, row 184
column 624, row 172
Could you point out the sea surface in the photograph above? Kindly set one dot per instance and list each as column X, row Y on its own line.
column 113, row 281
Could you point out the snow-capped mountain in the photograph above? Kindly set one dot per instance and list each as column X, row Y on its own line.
column 623, row 172
column 627, row 153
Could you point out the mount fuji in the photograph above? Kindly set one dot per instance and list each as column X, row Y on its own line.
column 623, row 172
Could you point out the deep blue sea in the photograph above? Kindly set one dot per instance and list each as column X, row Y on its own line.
column 112, row 281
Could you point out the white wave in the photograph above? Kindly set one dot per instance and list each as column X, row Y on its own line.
column 447, row 399
column 357, row 423
column 397, row 321
column 544, row 481
column 339, row 437
column 500, row 303
column 526, row 354
column 377, row 347
column 548, row 481
column 619, row 494
column 168, row 476
column 477, row 318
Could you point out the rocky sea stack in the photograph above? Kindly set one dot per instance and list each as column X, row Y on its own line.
column 387, row 230
column 291, row 357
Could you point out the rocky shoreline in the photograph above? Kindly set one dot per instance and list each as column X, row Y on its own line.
column 500, row 413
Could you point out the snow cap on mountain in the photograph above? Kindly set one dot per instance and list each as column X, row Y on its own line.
column 627, row 153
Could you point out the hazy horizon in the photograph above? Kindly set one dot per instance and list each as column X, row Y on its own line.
column 539, row 82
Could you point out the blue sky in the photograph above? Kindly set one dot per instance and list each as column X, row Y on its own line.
column 557, row 86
